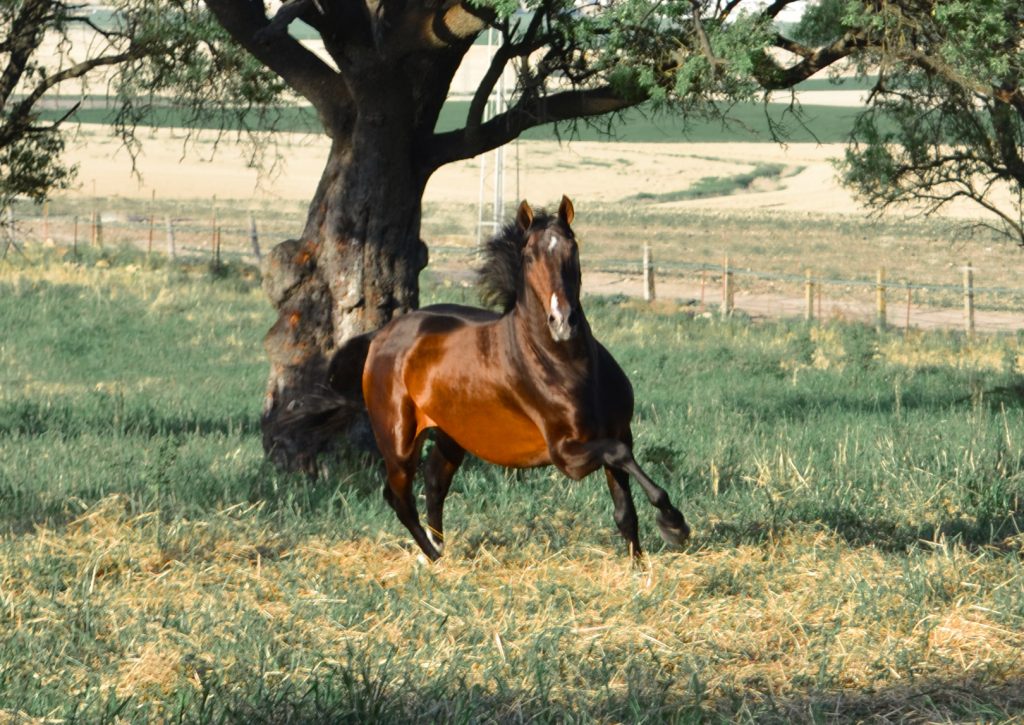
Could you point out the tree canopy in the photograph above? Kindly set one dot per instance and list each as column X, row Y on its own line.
column 944, row 119
column 55, row 53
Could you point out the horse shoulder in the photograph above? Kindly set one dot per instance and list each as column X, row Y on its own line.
column 615, row 390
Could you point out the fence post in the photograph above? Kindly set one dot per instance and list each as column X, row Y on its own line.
column 74, row 238
column 254, row 237
column 216, row 248
column 808, row 295
column 969, row 299
column 727, row 289
column 648, row 275
column 149, row 245
column 703, row 286
column 170, row 238
column 910, row 296
column 880, row 321
column 46, row 222
column 92, row 228
column 213, row 228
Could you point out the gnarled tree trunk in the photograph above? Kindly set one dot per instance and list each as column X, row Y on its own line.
column 356, row 265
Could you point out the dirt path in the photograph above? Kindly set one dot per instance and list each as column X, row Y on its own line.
column 760, row 305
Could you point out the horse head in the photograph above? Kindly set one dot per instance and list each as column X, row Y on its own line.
column 551, row 267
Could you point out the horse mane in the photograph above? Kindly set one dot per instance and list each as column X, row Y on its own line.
column 500, row 275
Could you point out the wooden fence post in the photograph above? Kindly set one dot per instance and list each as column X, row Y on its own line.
column 880, row 321
column 808, row 295
column 46, row 222
column 149, row 244
column 727, row 289
column 74, row 238
column 213, row 228
column 703, row 286
column 648, row 275
column 969, row 299
column 254, row 238
column 170, row 238
column 910, row 297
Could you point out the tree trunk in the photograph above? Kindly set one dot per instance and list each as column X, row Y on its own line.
column 356, row 265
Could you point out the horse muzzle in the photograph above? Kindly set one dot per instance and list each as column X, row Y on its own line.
column 564, row 328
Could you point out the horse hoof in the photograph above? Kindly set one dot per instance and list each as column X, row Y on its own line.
column 673, row 529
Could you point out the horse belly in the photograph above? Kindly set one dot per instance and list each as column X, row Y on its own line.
column 495, row 434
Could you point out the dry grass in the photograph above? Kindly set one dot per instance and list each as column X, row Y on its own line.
column 804, row 621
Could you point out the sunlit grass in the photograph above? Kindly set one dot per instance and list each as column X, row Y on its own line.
column 855, row 498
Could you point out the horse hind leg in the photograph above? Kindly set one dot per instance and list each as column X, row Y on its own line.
column 400, row 449
column 444, row 460
column 398, row 493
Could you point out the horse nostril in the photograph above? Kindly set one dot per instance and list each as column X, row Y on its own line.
column 551, row 319
column 572, row 319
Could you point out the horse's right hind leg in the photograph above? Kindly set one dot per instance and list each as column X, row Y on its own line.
column 444, row 460
column 400, row 447
column 398, row 493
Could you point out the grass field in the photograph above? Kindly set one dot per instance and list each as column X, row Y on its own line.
column 856, row 503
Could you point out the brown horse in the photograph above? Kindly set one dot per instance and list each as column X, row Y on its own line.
column 530, row 387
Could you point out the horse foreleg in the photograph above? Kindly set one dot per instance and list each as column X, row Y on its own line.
column 577, row 459
column 444, row 460
column 625, row 511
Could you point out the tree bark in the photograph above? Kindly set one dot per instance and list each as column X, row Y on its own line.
column 356, row 265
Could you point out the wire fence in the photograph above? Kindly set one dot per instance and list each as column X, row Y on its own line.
column 719, row 287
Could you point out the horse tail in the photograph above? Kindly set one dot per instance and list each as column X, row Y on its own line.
column 338, row 405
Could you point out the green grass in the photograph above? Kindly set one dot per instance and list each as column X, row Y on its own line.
column 715, row 185
column 856, row 502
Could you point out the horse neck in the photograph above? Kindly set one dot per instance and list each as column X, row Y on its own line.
column 528, row 324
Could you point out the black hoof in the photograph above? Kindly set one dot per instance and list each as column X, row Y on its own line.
column 673, row 528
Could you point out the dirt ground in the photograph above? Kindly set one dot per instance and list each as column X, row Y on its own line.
column 175, row 166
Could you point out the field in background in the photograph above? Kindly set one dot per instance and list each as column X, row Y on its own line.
column 856, row 501
column 779, row 245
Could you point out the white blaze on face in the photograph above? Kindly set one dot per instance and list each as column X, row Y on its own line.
column 556, row 309
column 552, row 243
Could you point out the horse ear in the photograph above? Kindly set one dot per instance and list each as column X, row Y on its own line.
column 565, row 210
column 524, row 217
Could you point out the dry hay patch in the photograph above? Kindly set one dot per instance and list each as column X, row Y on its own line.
column 802, row 612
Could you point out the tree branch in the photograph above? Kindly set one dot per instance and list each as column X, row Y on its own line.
column 298, row 67
column 20, row 116
column 24, row 39
column 773, row 77
column 461, row 144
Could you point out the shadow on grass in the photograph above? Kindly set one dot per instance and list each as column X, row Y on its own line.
column 884, row 534
column 371, row 694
